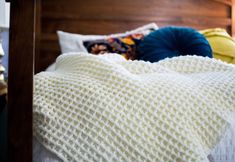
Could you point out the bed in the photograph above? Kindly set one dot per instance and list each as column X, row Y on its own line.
column 87, row 17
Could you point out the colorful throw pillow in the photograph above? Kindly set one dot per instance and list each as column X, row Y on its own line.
column 72, row 42
column 125, row 46
column 173, row 41
column 222, row 44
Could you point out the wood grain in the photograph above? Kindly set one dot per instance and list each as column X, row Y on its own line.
column 37, row 34
column 103, row 26
column 106, row 17
column 233, row 19
column 20, row 83
column 228, row 2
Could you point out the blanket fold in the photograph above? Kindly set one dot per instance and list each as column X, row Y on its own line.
column 105, row 108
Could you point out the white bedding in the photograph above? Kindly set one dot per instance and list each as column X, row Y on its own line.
column 41, row 154
column 225, row 151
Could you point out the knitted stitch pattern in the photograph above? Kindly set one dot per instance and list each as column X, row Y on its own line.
column 105, row 108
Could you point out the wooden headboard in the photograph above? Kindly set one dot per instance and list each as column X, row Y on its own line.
column 112, row 16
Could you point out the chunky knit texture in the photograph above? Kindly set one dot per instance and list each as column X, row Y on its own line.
column 105, row 108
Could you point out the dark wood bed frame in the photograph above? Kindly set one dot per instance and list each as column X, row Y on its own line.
column 34, row 44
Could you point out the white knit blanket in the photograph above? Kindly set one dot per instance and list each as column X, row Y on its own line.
column 104, row 108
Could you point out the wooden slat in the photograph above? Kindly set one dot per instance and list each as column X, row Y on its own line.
column 107, row 27
column 20, row 83
column 228, row 2
column 47, row 57
column 130, row 9
column 50, row 45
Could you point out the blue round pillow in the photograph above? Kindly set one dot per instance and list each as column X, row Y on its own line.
column 173, row 41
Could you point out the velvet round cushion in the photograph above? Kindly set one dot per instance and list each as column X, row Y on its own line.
column 173, row 41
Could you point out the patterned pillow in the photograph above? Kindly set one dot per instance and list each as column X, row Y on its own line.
column 125, row 46
column 73, row 42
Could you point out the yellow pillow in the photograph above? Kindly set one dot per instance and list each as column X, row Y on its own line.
column 222, row 44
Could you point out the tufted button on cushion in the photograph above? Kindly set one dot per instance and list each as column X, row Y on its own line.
column 173, row 41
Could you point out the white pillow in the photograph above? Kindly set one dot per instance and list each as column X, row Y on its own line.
column 70, row 42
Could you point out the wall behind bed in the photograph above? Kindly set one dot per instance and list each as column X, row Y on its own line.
column 112, row 16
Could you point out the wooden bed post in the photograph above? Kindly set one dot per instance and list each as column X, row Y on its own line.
column 233, row 19
column 20, row 83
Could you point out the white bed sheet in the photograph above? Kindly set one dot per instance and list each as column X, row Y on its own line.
column 225, row 150
column 41, row 154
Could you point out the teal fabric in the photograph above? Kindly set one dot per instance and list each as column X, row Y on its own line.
column 173, row 41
